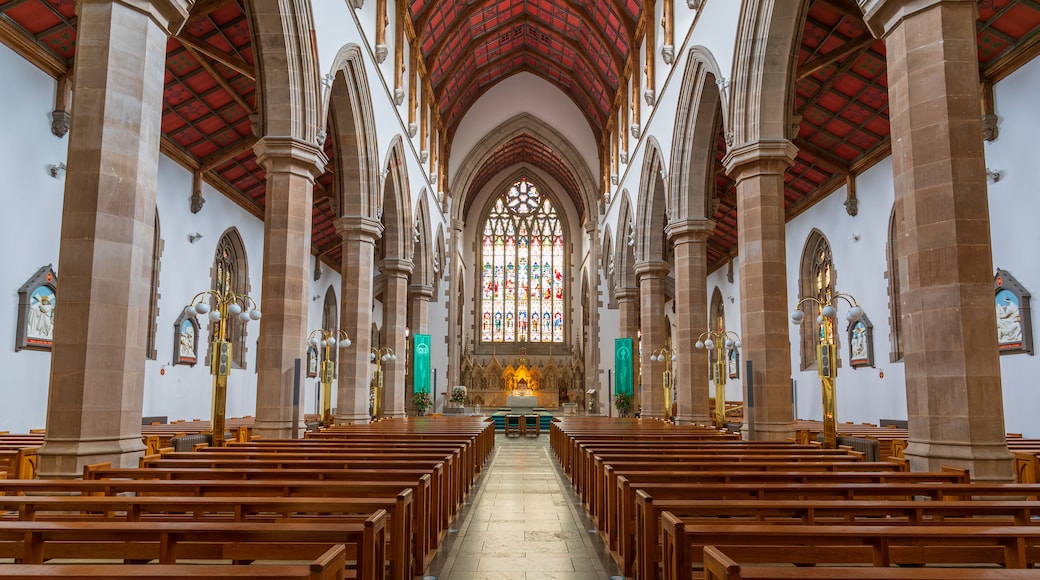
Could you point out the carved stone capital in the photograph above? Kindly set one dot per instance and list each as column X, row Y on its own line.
column 60, row 122
column 650, row 96
column 694, row 229
column 289, row 155
column 396, row 267
column 412, row 129
column 398, row 96
column 420, row 292
column 424, row 156
column 635, row 129
column 360, row 228
column 170, row 15
column 773, row 156
column 652, row 269
column 990, row 127
column 668, row 53
column 357, row 4
column 852, row 206
column 381, row 52
column 882, row 16
column 197, row 201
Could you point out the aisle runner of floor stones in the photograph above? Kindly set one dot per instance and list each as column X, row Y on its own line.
column 524, row 523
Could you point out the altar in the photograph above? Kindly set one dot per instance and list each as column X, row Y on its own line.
column 522, row 405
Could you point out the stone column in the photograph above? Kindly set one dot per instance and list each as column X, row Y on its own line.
column 628, row 327
column 651, row 276
column 952, row 364
column 395, row 316
column 419, row 296
column 291, row 166
column 691, row 318
column 108, row 221
column 455, row 293
column 359, row 235
column 758, row 169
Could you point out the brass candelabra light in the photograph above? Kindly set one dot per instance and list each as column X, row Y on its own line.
column 827, row 355
column 227, row 304
column 667, row 356
column 720, row 341
column 326, row 340
column 380, row 356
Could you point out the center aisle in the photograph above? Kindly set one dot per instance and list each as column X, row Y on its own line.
column 524, row 523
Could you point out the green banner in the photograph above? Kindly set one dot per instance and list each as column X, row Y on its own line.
column 421, row 368
column 623, row 365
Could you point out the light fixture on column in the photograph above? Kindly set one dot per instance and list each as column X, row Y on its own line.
column 192, row 238
column 993, row 176
column 227, row 305
column 722, row 342
column 326, row 340
column 380, row 356
column 56, row 171
column 667, row 356
column 827, row 356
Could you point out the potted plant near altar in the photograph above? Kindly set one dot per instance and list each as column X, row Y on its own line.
column 623, row 404
column 423, row 402
column 458, row 396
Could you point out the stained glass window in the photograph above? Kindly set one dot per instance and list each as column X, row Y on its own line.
column 522, row 273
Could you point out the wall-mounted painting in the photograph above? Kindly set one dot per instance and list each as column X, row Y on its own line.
column 185, row 340
column 37, row 299
column 861, row 343
column 1014, row 323
column 733, row 363
column 312, row 362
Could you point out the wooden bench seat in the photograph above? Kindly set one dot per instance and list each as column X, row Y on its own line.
column 719, row 566
column 34, row 542
column 877, row 545
column 330, row 565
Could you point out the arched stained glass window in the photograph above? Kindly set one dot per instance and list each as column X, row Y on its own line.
column 816, row 280
column 522, row 274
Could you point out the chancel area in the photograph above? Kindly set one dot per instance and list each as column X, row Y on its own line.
column 357, row 241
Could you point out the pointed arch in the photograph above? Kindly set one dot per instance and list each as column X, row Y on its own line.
column 287, row 69
column 230, row 272
column 717, row 312
column 396, row 205
column 330, row 315
column 439, row 263
column 151, row 352
column 652, row 215
column 699, row 119
column 352, row 124
column 607, row 257
column 764, row 67
column 818, row 279
column 422, row 256
column 624, row 254
column 895, row 310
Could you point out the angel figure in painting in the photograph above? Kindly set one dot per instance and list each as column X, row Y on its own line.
column 41, row 316
column 1009, row 321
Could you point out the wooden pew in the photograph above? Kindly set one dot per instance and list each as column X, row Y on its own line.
column 330, row 565
column 719, row 566
column 877, row 545
column 34, row 542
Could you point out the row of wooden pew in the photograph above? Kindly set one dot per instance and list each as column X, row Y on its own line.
column 364, row 501
column 660, row 494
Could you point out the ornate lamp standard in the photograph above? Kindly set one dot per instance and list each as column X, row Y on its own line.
column 721, row 341
column 327, row 339
column 827, row 356
column 667, row 356
column 380, row 356
column 228, row 304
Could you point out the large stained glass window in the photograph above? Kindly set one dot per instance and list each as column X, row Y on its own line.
column 522, row 257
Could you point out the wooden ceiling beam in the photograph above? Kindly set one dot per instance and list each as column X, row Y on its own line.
column 218, row 158
column 204, row 8
column 229, row 60
column 219, row 79
column 825, row 156
column 825, row 60
column 27, row 47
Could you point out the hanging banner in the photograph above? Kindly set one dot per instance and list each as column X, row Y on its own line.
column 421, row 368
column 623, row 365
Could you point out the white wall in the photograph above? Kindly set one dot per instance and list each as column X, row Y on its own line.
column 29, row 229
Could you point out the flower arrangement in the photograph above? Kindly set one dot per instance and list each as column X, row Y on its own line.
column 423, row 401
column 623, row 403
column 458, row 395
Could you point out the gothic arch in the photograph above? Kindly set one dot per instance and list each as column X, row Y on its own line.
column 422, row 257
column 231, row 242
column 652, row 215
column 607, row 257
column 624, row 254
column 764, row 66
column 701, row 115
column 352, row 122
column 816, row 252
column 895, row 286
column 440, row 256
column 396, row 206
column 287, row 69
column 524, row 123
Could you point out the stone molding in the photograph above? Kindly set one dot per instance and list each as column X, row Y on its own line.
column 360, row 228
column 772, row 156
column 883, row 16
column 689, row 230
column 652, row 269
column 170, row 15
column 396, row 268
column 290, row 155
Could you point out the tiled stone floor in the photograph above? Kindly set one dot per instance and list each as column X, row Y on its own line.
column 523, row 522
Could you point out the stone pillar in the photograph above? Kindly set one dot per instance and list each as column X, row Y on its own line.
column 651, row 276
column 395, row 316
column 359, row 235
column 419, row 296
column 628, row 327
column 952, row 364
column 291, row 166
column 456, row 293
column 691, row 318
column 758, row 169
column 108, row 220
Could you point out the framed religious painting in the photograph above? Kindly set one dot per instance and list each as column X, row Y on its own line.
column 1014, row 323
column 186, row 340
column 861, row 343
column 37, row 299
column 733, row 363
